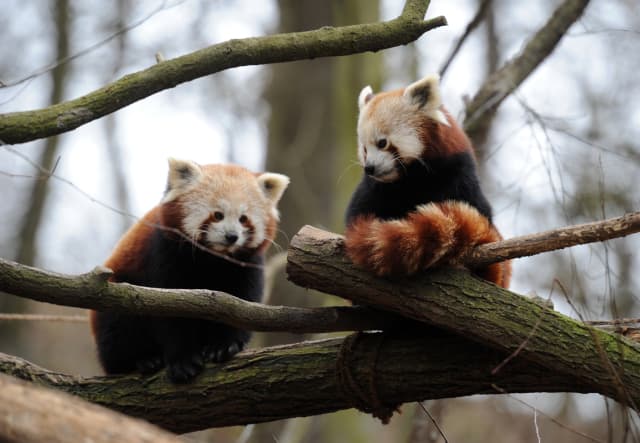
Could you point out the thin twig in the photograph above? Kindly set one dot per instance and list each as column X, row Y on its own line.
column 44, row 317
column 46, row 174
column 548, row 417
column 473, row 24
column 614, row 322
column 162, row 6
column 435, row 423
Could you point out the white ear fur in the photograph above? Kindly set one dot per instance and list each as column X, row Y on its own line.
column 365, row 95
column 425, row 93
column 273, row 185
column 182, row 174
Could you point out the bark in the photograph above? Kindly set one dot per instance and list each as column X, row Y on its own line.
column 31, row 414
column 94, row 291
column 554, row 239
column 497, row 342
column 21, row 127
column 480, row 311
column 309, row 378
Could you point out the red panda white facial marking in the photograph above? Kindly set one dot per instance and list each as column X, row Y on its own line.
column 389, row 127
column 224, row 207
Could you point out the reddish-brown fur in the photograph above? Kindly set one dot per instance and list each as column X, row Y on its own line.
column 419, row 204
column 129, row 251
column 436, row 234
column 441, row 140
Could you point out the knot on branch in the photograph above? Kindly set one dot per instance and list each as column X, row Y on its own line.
column 364, row 399
column 99, row 274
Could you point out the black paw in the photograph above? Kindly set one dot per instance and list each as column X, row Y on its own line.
column 185, row 369
column 220, row 352
column 150, row 365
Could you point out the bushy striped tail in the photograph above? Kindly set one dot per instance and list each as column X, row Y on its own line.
column 435, row 234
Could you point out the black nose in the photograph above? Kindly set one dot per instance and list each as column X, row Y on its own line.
column 369, row 170
column 231, row 238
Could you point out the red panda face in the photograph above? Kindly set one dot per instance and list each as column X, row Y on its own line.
column 391, row 127
column 223, row 207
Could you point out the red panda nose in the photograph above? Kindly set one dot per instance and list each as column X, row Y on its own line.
column 231, row 238
column 369, row 170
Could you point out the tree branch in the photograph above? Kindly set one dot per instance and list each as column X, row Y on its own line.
column 303, row 379
column 471, row 26
column 473, row 308
column 554, row 239
column 93, row 291
column 505, row 80
column 21, row 127
column 32, row 414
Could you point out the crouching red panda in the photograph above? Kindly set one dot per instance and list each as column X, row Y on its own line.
column 210, row 231
column 419, row 203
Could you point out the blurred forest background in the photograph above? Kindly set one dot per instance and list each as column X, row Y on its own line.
column 562, row 150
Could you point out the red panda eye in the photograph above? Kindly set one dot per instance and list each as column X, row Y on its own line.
column 382, row 143
column 218, row 216
column 243, row 219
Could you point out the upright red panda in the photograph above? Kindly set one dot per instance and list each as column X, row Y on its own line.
column 419, row 203
column 211, row 220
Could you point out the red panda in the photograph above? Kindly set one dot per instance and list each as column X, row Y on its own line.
column 419, row 203
column 210, row 231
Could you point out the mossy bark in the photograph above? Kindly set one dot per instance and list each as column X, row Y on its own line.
column 304, row 379
column 21, row 127
column 93, row 291
column 479, row 311
column 487, row 340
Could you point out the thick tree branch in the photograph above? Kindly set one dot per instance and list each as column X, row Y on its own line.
column 304, row 379
column 94, row 291
column 32, row 414
column 509, row 77
column 20, row 127
column 473, row 308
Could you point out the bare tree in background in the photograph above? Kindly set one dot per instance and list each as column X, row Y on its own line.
column 36, row 202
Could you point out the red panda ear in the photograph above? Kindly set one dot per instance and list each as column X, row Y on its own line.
column 182, row 174
column 273, row 185
column 365, row 95
column 426, row 94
